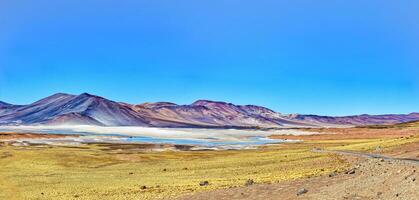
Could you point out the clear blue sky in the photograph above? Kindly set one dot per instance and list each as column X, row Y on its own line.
column 329, row 57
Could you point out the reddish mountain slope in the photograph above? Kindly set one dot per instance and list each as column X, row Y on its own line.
column 94, row 110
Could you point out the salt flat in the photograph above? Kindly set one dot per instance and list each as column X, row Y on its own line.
column 227, row 138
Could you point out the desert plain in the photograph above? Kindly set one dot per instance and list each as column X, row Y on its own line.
column 371, row 162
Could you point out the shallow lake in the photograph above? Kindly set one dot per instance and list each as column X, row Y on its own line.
column 210, row 138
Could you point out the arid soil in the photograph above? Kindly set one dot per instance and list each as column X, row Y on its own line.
column 352, row 133
column 406, row 151
column 14, row 135
column 367, row 179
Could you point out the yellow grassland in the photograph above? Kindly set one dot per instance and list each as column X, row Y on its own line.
column 99, row 172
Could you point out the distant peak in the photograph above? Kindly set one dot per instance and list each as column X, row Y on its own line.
column 255, row 107
column 2, row 103
column 157, row 104
column 88, row 95
column 60, row 94
column 54, row 97
column 203, row 102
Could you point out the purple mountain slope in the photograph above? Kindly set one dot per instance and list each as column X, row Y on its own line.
column 74, row 108
column 358, row 119
column 6, row 108
column 213, row 114
column 87, row 109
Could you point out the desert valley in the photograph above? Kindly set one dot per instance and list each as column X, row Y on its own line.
column 209, row 100
column 87, row 147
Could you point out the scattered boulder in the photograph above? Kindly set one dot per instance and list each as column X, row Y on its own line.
column 351, row 171
column 249, row 182
column 143, row 187
column 203, row 183
column 301, row 191
column 333, row 174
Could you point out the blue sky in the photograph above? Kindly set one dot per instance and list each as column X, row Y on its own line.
column 322, row 57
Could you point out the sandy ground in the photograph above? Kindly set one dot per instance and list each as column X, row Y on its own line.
column 372, row 179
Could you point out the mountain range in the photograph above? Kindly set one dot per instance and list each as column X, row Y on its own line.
column 88, row 109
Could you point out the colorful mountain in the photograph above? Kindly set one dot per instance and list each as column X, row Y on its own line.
column 87, row 109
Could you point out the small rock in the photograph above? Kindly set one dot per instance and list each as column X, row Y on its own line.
column 333, row 174
column 131, row 173
column 42, row 193
column 413, row 179
column 379, row 193
column 203, row 183
column 164, row 169
column 382, row 160
column 143, row 187
column 397, row 194
column 301, row 191
column 76, row 196
column 249, row 182
column 185, row 168
column 352, row 171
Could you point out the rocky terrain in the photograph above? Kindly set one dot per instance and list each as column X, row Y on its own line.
column 367, row 180
column 87, row 109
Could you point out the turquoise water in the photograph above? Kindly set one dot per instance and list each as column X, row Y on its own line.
column 87, row 137
column 251, row 141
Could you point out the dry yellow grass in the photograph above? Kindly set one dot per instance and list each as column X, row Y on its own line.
column 95, row 173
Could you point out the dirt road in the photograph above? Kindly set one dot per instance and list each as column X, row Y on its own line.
column 368, row 155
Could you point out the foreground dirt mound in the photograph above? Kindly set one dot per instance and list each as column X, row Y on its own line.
column 370, row 179
column 375, row 179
